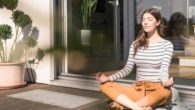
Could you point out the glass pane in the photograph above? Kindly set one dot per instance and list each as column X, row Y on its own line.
column 179, row 19
column 92, row 50
column 174, row 18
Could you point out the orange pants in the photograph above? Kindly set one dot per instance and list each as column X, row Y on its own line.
column 156, row 93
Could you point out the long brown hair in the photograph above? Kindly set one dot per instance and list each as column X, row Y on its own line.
column 142, row 38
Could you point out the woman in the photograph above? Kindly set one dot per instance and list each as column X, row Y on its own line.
column 152, row 55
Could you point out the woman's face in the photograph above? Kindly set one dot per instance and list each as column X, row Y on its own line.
column 149, row 23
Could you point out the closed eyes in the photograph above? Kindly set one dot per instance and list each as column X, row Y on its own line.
column 149, row 19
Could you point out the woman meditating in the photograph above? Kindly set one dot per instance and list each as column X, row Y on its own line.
column 152, row 55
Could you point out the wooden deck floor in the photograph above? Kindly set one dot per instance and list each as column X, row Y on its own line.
column 8, row 103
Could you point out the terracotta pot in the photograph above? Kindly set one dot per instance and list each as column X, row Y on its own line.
column 12, row 75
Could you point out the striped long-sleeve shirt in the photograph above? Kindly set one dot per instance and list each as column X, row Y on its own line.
column 152, row 62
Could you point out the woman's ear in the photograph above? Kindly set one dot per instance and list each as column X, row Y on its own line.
column 158, row 23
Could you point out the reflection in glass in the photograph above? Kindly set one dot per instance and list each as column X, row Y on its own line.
column 175, row 19
column 98, row 53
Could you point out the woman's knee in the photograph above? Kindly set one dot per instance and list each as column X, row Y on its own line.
column 166, row 93
column 164, row 96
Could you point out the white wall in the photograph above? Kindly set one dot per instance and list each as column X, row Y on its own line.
column 39, row 11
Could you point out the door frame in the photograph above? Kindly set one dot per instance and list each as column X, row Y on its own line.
column 129, row 31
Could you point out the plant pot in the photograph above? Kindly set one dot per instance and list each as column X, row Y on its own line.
column 12, row 75
column 85, row 37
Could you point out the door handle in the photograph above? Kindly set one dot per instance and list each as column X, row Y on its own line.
column 115, row 2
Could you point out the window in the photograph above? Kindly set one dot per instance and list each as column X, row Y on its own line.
column 179, row 19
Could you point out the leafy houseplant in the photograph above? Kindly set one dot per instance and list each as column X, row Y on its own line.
column 88, row 8
column 20, row 20
column 16, row 48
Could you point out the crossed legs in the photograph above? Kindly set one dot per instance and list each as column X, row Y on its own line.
column 122, row 94
column 129, row 97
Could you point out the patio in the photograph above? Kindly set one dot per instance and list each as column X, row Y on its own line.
column 47, row 97
column 17, row 99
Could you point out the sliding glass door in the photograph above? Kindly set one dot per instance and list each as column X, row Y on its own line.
column 99, row 47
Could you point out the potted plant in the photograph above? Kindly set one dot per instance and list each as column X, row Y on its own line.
column 15, row 48
column 88, row 8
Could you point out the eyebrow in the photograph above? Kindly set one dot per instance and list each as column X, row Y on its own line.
column 148, row 18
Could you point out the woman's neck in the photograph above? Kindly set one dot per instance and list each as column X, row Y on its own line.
column 154, row 37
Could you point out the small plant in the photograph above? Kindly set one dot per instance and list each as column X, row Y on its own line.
column 21, row 46
column 88, row 8
column 9, row 4
column 5, row 33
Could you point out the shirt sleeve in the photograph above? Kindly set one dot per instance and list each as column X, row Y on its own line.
column 164, row 69
column 126, row 70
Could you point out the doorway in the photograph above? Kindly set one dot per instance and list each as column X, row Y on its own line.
column 112, row 31
column 104, row 50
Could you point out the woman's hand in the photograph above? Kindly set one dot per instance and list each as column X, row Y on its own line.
column 169, row 82
column 102, row 78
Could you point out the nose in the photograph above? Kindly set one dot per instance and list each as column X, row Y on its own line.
column 145, row 22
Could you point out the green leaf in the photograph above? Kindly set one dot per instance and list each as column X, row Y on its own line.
column 1, row 4
column 31, row 42
column 10, row 4
column 40, row 54
column 88, row 8
column 21, row 19
column 5, row 32
column 31, row 61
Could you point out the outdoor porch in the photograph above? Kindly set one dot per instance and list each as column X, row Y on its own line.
column 47, row 97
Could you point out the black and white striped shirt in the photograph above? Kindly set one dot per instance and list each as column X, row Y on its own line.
column 152, row 62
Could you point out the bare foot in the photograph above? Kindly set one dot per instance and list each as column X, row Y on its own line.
column 117, row 106
column 147, row 108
